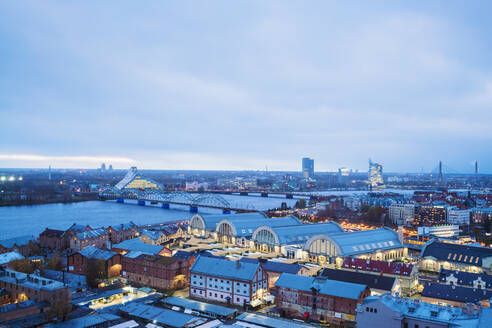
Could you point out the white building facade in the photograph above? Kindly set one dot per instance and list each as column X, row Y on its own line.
column 402, row 214
column 226, row 281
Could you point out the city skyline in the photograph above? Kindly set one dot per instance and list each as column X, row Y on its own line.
column 246, row 85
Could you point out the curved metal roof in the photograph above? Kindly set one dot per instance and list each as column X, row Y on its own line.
column 245, row 226
column 365, row 241
column 300, row 234
column 211, row 221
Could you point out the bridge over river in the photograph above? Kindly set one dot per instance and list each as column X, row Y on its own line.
column 137, row 187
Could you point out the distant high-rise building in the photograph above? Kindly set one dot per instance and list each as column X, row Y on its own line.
column 343, row 175
column 307, row 168
column 103, row 167
column 110, row 167
column 375, row 175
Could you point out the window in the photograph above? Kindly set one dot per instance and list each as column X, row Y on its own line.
column 237, row 299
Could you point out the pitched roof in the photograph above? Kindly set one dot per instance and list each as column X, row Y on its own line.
column 464, row 254
column 183, row 255
column 455, row 293
column 52, row 233
column 19, row 241
column 92, row 252
column 224, row 268
column 124, row 226
column 10, row 256
column 465, row 278
column 78, row 227
column 395, row 268
column 370, row 280
column 152, row 234
column 274, row 266
column 89, row 234
column 136, row 244
column 325, row 286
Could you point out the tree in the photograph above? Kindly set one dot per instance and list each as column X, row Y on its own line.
column 301, row 203
column 60, row 310
column 95, row 271
column 25, row 265
column 55, row 263
column 34, row 249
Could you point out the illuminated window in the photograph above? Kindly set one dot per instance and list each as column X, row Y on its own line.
column 459, row 258
column 476, row 261
column 471, row 259
column 454, row 257
column 466, row 257
column 449, row 256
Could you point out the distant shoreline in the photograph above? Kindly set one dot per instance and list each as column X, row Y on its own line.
column 48, row 201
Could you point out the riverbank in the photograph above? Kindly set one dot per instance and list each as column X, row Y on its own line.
column 58, row 200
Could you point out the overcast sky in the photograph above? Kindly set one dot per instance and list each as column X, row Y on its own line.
column 246, row 84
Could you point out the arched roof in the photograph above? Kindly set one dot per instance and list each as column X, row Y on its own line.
column 360, row 242
column 243, row 227
column 300, row 234
column 210, row 222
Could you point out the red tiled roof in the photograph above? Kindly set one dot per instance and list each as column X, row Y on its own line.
column 395, row 268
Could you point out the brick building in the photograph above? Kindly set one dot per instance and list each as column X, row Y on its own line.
column 232, row 282
column 19, row 310
column 52, row 239
column 160, row 272
column 77, row 262
column 24, row 287
column 319, row 299
column 22, row 244
column 97, row 237
column 406, row 273
column 121, row 232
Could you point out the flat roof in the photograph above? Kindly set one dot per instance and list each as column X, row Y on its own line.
column 270, row 322
column 199, row 306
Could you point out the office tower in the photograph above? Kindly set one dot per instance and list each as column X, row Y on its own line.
column 307, row 168
column 375, row 175
column 103, row 167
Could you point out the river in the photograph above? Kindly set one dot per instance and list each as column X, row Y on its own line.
column 31, row 220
